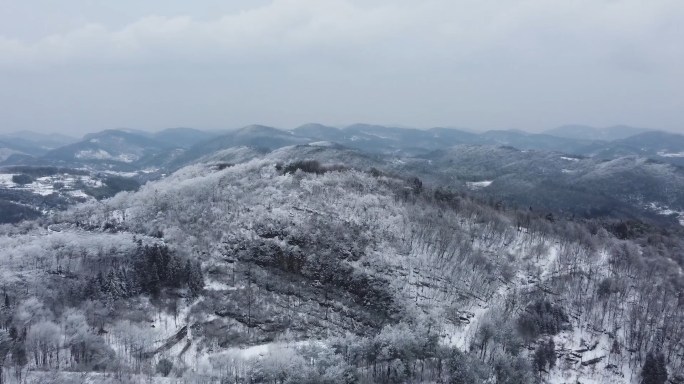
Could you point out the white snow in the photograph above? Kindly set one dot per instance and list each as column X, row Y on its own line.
column 45, row 185
column 251, row 352
column 99, row 154
column 475, row 185
column 322, row 144
column 668, row 154
column 122, row 174
column 214, row 285
column 80, row 194
column 580, row 339
column 42, row 186
column 127, row 157
column 666, row 211
column 6, row 180
column 570, row 158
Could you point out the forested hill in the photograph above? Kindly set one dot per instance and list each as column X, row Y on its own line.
column 289, row 270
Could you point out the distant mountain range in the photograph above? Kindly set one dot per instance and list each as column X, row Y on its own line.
column 30, row 139
column 585, row 132
column 175, row 147
column 638, row 175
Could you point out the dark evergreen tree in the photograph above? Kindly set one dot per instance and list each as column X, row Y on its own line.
column 551, row 353
column 654, row 370
column 542, row 318
column 13, row 332
column 195, row 279
column 19, row 358
column 544, row 357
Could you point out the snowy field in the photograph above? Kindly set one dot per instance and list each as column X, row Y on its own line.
column 66, row 184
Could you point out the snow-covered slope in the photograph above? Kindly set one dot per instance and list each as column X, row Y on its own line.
column 335, row 272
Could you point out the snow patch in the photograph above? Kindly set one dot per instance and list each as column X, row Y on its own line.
column 570, row 158
column 214, row 285
column 122, row 174
column 99, row 154
column 666, row 211
column 126, row 157
column 79, row 193
column 475, row 185
column 322, row 144
column 670, row 154
column 64, row 184
column 6, row 180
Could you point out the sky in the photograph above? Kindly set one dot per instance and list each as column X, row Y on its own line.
column 86, row 65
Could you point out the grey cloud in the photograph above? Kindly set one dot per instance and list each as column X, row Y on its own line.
column 484, row 64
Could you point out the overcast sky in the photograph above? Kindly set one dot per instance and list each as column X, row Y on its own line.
column 86, row 65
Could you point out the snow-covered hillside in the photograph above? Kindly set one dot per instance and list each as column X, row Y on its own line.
column 321, row 273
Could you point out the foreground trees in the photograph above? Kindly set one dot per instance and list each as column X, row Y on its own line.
column 149, row 270
column 5, row 347
column 395, row 282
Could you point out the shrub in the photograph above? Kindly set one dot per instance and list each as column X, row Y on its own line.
column 542, row 318
column 22, row 179
column 466, row 369
column 513, row 370
column 310, row 166
column 164, row 367
column 607, row 287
